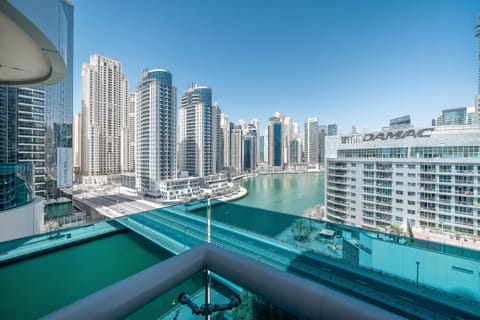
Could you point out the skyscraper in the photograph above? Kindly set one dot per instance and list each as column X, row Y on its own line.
column 199, row 133
column 225, row 125
column 275, row 140
column 311, row 140
column 250, row 148
column 295, row 151
column 104, row 96
column 76, row 145
column 155, row 131
column 332, row 129
column 22, row 133
column 256, row 123
column 454, row 116
column 58, row 117
column 322, row 132
column 290, row 132
column 262, row 148
column 477, row 98
column 236, row 145
column 218, row 150
column 128, row 135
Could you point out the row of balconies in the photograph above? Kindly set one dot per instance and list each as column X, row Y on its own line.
column 336, row 216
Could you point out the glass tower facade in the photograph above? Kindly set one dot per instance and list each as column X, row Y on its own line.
column 449, row 117
column 58, row 116
column 22, row 134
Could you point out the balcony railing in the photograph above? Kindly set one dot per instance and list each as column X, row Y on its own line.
column 303, row 298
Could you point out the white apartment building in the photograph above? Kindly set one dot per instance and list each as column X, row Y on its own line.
column 428, row 178
column 199, row 133
column 104, row 96
column 156, row 133
column 236, row 148
column 76, row 145
column 225, row 125
column 216, row 183
column 127, row 137
column 311, row 140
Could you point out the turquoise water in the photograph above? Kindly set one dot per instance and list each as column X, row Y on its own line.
column 289, row 193
column 37, row 286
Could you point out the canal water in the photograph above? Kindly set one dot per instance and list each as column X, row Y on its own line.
column 37, row 286
column 288, row 193
column 273, row 203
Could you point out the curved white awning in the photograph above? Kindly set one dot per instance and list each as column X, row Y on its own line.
column 27, row 57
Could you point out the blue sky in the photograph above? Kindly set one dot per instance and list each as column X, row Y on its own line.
column 348, row 61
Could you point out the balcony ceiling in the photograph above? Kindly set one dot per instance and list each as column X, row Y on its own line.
column 27, row 57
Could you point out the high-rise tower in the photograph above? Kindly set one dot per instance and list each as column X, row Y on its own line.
column 250, row 144
column 275, row 140
column 104, row 96
column 58, row 118
column 477, row 98
column 225, row 125
column 155, row 131
column 236, row 147
column 22, row 133
column 311, row 140
column 199, row 134
column 127, row 119
column 256, row 124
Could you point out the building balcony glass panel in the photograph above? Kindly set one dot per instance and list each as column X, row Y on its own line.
column 16, row 188
column 277, row 250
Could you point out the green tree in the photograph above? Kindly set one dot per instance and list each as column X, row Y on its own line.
column 301, row 230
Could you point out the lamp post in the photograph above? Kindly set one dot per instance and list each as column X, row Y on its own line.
column 207, row 272
column 418, row 264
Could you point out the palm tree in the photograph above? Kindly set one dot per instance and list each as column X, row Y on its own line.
column 397, row 231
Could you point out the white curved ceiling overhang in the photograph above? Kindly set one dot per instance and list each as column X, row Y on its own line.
column 27, row 57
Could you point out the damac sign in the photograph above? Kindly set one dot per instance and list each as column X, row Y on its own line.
column 422, row 133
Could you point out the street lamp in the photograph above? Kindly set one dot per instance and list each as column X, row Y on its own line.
column 418, row 264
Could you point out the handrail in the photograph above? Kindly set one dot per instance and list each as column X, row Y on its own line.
column 299, row 296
